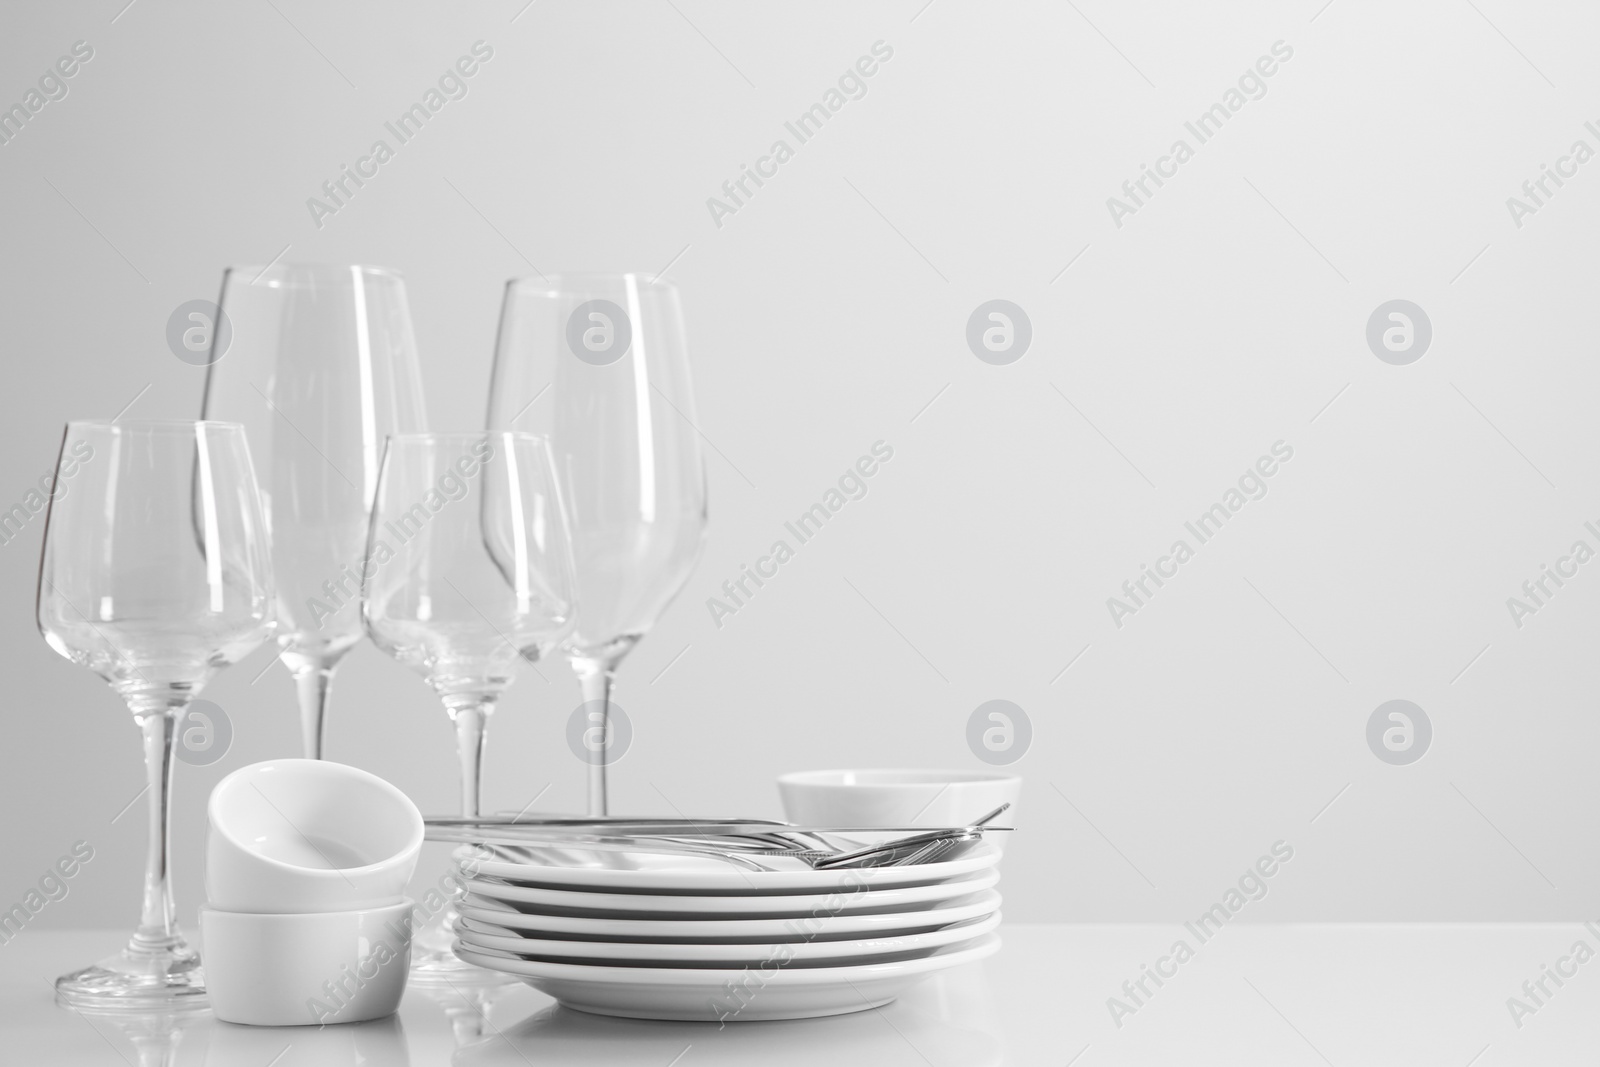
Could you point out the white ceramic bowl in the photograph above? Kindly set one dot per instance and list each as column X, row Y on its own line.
column 306, row 970
column 898, row 797
column 297, row 835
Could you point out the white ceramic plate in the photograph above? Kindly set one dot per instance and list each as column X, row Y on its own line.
column 701, row 994
column 642, row 872
column 476, row 934
column 853, row 901
column 735, row 931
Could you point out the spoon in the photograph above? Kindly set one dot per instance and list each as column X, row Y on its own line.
column 933, row 847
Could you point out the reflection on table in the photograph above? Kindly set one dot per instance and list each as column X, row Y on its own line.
column 947, row 1021
column 944, row 1022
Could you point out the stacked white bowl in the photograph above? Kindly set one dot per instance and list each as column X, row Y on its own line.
column 656, row 935
column 305, row 919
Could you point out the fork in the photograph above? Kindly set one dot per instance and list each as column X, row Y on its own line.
column 744, row 847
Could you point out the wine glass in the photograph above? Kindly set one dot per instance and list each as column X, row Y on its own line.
column 598, row 364
column 437, row 600
column 320, row 365
column 156, row 574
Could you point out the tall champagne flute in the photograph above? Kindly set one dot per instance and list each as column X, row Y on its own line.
column 156, row 574
column 320, row 365
column 599, row 364
column 437, row 600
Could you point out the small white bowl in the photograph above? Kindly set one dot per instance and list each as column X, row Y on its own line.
column 306, row 970
column 898, row 797
column 298, row 835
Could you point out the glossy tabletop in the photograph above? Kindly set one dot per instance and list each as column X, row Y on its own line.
column 1284, row 995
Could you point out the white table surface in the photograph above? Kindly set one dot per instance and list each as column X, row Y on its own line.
column 1281, row 995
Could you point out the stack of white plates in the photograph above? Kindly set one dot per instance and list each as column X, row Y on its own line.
column 661, row 936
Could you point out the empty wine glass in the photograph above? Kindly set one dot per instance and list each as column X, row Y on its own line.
column 320, row 366
column 599, row 365
column 434, row 597
column 156, row 574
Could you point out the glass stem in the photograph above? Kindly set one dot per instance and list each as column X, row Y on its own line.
column 312, row 681
column 471, row 716
column 157, row 926
column 596, row 676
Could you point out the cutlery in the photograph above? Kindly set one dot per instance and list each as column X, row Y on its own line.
column 495, row 829
column 735, row 840
column 931, row 847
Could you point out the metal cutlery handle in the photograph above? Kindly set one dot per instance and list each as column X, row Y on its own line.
column 734, row 842
column 459, row 829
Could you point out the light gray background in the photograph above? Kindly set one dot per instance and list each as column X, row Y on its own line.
column 830, row 313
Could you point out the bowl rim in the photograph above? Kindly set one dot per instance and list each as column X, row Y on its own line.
column 377, row 911
column 945, row 777
column 234, row 780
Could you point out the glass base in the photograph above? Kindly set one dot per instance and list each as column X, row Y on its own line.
column 434, row 962
column 469, row 1006
column 139, row 978
column 431, row 967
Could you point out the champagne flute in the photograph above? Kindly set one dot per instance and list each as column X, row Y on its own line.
column 156, row 574
column 434, row 597
column 320, row 368
column 598, row 363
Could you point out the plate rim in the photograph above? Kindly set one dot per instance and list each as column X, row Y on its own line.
column 587, row 929
column 602, row 975
column 684, row 905
column 972, row 929
column 732, row 882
